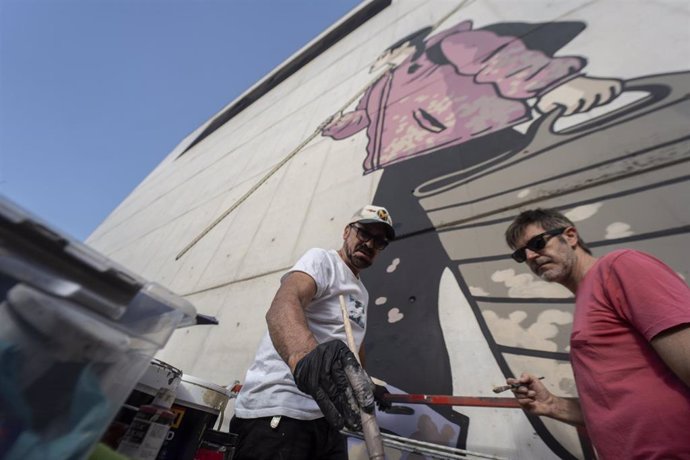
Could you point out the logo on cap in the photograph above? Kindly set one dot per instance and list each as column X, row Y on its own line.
column 371, row 214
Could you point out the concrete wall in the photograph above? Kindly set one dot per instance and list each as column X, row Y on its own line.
column 455, row 152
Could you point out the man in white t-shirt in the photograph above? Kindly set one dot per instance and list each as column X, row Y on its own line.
column 296, row 396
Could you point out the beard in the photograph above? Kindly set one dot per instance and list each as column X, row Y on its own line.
column 552, row 275
column 359, row 261
column 557, row 271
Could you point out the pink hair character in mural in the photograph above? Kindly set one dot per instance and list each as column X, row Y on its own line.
column 458, row 85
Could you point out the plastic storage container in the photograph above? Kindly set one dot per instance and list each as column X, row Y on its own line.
column 77, row 331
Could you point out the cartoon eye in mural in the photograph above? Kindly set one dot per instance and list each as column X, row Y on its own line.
column 442, row 123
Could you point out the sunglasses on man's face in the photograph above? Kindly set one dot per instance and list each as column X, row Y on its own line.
column 364, row 236
column 536, row 243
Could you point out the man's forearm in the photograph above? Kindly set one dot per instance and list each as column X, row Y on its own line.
column 673, row 347
column 567, row 410
column 287, row 326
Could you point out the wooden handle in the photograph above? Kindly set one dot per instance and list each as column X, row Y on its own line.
column 370, row 429
column 348, row 328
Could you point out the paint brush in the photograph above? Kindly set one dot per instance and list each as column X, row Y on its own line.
column 512, row 386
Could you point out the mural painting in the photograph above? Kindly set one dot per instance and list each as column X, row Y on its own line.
column 466, row 124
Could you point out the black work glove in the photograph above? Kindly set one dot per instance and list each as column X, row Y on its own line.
column 331, row 374
column 379, row 392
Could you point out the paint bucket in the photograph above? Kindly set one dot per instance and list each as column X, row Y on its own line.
column 197, row 405
column 158, row 375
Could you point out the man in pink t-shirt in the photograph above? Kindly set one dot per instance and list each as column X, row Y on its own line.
column 629, row 347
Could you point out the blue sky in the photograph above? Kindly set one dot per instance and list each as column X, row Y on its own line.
column 95, row 93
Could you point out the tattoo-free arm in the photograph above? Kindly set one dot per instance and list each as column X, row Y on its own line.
column 287, row 323
column 673, row 346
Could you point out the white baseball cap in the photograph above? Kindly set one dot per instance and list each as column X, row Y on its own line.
column 371, row 214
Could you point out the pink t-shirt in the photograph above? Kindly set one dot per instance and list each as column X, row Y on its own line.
column 634, row 405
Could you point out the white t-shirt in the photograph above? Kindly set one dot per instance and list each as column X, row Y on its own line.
column 269, row 388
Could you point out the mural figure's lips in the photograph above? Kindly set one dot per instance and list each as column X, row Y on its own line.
column 428, row 121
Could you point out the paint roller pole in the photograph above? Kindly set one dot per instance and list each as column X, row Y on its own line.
column 370, row 429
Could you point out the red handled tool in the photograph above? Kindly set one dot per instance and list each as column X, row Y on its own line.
column 446, row 400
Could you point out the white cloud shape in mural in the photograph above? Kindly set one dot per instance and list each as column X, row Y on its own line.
column 394, row 315
column 583, row 212
column 618, row 230
column 394, row 264
column 380, row 300
column 524, row 192
column 478, row 291
column 537, row 336
column 527, row 285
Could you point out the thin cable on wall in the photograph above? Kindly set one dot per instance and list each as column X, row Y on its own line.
column 303, row 144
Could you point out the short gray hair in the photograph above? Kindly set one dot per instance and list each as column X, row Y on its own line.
column 548, row 219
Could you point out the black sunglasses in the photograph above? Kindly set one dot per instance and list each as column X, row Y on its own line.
column 364, row 236
column 536, row 243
